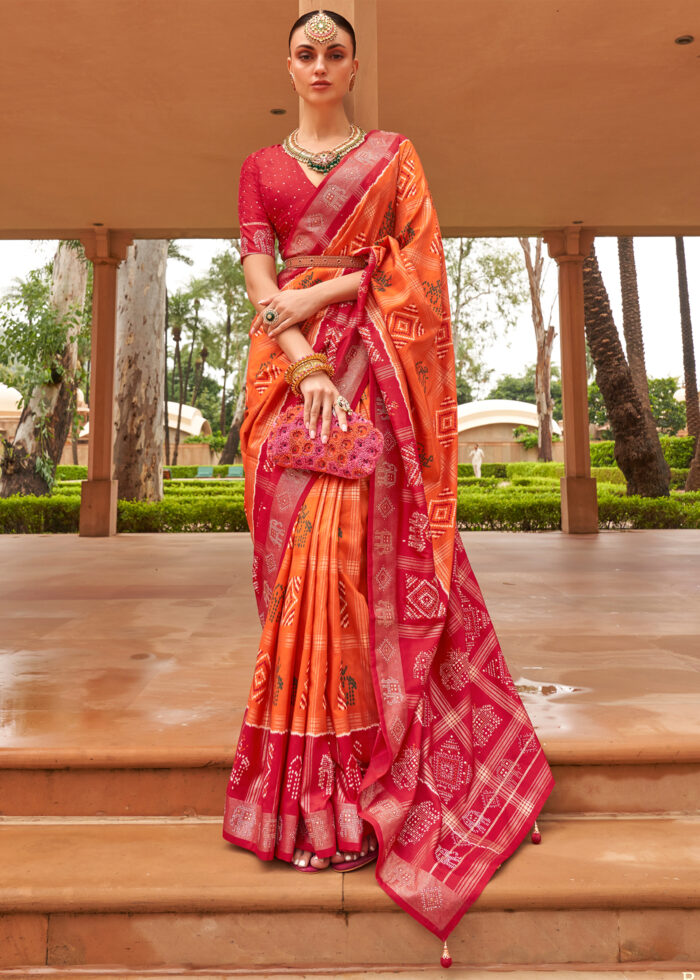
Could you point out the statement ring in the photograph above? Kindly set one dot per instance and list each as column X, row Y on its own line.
column 342, row 401
column 270, row 316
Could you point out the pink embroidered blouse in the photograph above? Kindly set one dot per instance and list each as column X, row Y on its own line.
column 273, row 191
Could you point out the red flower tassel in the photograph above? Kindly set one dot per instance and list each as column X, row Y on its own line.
column 445, row 959
column 536, row 836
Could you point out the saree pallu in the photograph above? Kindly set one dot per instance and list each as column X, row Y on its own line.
column 380, row 696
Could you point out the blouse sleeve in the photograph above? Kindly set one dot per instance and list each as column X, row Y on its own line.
column 257, row 233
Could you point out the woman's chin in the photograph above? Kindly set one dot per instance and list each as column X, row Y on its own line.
column 320, row 92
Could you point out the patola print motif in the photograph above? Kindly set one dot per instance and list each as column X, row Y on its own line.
column 380, row 698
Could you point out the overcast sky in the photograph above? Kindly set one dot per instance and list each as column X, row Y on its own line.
column 658, row 289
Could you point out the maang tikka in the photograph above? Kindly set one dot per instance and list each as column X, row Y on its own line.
column 320, row 28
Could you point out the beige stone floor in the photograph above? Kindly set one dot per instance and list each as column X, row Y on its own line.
column 145, row 643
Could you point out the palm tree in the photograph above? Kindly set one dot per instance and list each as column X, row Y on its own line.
column 229, row 294
column 692, row 407
column 632, row 329
column 637, row 451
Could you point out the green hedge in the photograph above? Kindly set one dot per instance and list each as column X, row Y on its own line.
column 551, row 470
column 50, row 515
column 65, row 472
column 487, row 469
column 523, row 506
column 541, row 511
column 678, row 451
column 233, row 488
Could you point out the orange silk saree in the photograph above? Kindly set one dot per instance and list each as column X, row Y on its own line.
column 380, row 696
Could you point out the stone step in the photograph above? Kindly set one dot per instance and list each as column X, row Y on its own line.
column 601, row 893
column 143, row 781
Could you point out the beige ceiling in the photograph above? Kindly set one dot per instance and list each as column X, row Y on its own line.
column 527, row 114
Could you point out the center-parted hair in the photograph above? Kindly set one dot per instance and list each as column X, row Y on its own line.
column 336, row 18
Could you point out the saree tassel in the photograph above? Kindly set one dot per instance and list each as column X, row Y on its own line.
column 445, row 959
column 536, row 836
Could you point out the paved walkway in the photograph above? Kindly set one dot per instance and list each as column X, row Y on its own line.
column 147, row 642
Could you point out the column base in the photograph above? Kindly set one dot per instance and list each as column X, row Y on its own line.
column 579, row 505
column 98, row 508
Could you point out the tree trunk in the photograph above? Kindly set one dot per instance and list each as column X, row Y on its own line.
column 228, row 455
column 692, row 407
column 138, row 447
column 46, row 419
column 544, row 338
column 166, row 416
column 638, row 455
column 227, row 351
column 632, row 329
column 693, row 479
column 178, row 360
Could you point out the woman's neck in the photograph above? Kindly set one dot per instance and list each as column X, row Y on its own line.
column 322, row 128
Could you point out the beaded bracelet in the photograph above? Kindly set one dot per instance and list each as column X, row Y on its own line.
column 308, row 369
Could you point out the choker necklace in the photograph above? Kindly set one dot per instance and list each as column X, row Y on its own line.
column 324, row 160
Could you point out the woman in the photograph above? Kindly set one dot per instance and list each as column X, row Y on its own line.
column 382, row 721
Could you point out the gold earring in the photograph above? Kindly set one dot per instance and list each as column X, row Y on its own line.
column 294, row 88
column 352, row 82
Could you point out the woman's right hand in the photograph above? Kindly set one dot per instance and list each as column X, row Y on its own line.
column 319, row 395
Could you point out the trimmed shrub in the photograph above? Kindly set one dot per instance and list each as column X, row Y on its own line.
column 65, row 472
column 203, row 514
column 24, row 514
column 487, row 469
column 551, row 470
column 530, row 502
column 678, row 451
column 603, row 453
column 645, row 512
column 508, row 512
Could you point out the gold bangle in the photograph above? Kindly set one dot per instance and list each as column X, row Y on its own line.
column 296, row 388
column 299, row 369
column 310, row 369
column 315, row 356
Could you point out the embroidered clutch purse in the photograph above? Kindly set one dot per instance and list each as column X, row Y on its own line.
column 350, row 454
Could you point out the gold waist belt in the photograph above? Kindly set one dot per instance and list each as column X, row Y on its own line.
column 344, row 261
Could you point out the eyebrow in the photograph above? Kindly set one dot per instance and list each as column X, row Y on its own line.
column 310, row 47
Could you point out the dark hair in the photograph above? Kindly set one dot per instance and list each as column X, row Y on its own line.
column 337, row 18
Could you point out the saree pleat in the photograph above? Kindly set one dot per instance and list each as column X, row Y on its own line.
column 381, row 697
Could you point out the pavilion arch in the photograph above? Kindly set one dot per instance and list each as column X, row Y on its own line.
column 558, row 119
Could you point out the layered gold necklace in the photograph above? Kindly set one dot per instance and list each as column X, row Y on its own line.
column 324, row 160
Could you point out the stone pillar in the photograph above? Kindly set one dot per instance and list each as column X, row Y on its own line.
column 362, row 104
column 579, row 502
column 98, row 502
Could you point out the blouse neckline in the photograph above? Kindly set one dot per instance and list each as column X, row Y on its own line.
column 318, row 186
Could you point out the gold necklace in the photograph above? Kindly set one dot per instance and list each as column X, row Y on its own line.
column 324, row 160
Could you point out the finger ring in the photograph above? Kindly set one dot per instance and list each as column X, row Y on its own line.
column 270, row 315
column 342, row 401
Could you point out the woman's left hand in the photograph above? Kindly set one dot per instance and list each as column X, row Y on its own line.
column 293, row 306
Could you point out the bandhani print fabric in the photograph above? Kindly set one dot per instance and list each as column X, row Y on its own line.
column 380, row 696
